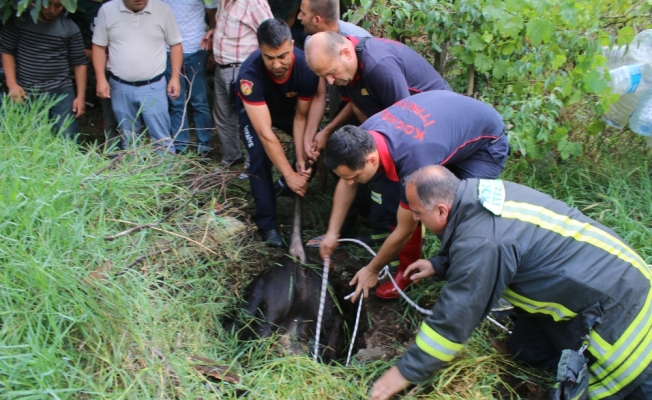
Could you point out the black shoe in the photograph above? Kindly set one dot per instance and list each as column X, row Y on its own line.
column 272, row 237
column 282, row 189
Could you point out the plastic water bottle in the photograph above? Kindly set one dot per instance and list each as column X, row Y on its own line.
column 637, row 53
column 641, row 120
column 630, row 78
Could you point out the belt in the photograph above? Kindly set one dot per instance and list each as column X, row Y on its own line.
column 138, row 83
column 225, row 66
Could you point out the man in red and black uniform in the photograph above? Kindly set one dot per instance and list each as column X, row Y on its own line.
column 433, row 128
column 372, row 74
column 275, row 87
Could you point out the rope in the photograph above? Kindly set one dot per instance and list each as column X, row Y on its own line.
column 322, row 301
column 382, row 274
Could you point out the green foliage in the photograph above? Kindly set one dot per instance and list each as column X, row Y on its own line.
column 533, row 60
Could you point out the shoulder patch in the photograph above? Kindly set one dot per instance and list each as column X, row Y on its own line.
column 246, row 87
column 291, row 94
column 364, row 92
column 491, row 193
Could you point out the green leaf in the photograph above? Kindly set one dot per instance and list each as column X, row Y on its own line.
column 626, row 35
column 558, row 61
column 569, row 12
column 577, row 95
column 596, row 127
column 475, row 42
column 539, row 31
column 482, row 62
column 508, row 48
column 594, row 82
column 499, row 70
column 510, row 27
column 70, row 5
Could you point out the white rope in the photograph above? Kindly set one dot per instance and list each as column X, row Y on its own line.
column 383, row 273
column 322, row 301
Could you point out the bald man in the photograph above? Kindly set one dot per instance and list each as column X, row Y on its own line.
column 575, row 283
column 372, row 74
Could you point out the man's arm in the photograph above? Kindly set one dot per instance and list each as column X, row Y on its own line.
column 367, row 277
column 176, row 60
column 315, row 115
column 299, row 131
column 102, row 88
column 262, row 123
column 78, row 104
column 16, row 91
column 210, row 14
column 342, row 200
column 340, row 119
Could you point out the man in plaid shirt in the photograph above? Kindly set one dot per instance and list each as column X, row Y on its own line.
column 236, row 24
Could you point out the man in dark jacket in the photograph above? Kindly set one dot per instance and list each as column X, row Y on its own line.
column 573, row 281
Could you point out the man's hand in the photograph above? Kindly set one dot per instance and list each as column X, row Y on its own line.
column 206, row 42
column 309, row 150
column 366, row 279
column 103, row 89
column 424, row 269
column 319, row 141
column 328, row 244
column 17, row 93
column 174, row 88
column 388, row 385
column 301, row 168
column 297, row 182
column 78, row 107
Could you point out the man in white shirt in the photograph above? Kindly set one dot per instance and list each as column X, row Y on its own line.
column 136, row 33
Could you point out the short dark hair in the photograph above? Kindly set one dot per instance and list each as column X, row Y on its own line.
column 273, row 33
column 348, row 146
column 434, row 184
column 327, row 9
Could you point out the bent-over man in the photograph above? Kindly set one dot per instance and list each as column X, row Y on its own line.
column 437, row 127
column 572, row 281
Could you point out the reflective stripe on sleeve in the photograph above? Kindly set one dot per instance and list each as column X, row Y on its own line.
column 557, row 311
column 436, row 345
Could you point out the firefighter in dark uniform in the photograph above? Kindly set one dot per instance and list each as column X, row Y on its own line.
column 574, row 282
column 276, row 88
column 437, row 127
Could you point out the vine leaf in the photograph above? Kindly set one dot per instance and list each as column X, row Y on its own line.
column 539, row 31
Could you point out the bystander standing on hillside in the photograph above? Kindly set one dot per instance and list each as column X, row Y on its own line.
column 37, row 58
column 191, row 16
column 136, row 33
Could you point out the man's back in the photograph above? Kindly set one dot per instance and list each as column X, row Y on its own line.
column 388, row 71
column 571, row 274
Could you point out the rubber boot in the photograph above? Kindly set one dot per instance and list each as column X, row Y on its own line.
column 410, row 253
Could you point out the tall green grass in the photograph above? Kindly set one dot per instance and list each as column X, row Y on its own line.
column 65, row 333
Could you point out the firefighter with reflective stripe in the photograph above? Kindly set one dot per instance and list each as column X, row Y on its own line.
column 567, row 275
column 436, row 127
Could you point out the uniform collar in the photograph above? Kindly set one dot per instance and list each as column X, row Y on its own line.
column 354, row 40
column 386, row 160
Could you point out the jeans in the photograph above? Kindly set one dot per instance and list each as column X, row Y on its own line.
column 149, row 102
column 60, row 111
column 194, row 69
column 224, row 114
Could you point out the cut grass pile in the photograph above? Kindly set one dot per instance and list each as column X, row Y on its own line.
column 82, row 316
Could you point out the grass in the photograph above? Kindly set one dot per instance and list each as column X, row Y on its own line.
column 86, row 317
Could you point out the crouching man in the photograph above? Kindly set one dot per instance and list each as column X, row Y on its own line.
column 276, row 88
column 436, row 127
column 573, row 282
